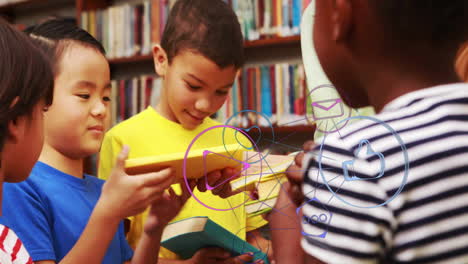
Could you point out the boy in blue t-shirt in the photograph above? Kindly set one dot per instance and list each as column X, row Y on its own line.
column 60, row 213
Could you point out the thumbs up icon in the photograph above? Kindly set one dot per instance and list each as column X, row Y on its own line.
column 348, row 166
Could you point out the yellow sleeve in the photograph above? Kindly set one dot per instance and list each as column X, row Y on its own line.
column 110, row 149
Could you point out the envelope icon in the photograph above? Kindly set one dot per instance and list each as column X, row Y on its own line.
column 327, row 109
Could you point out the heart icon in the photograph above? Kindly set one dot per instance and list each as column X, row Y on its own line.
column 247, row 130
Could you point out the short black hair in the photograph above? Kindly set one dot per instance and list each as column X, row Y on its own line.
column 57, row 34
column 25, row 74
column 208, row 27
column 435, row 23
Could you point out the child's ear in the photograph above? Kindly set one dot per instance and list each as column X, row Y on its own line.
column 16, row 127
column 160, row 60
column 342, row 18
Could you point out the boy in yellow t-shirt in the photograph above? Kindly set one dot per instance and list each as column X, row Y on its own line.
column 200, row 53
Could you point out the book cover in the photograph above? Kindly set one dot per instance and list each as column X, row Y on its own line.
column 198, row 163
column 296, row 16
column 266, row 95
column 272, row 83
column 186, row 237
column 292, row 92
column 279, row 91
column 274, row 17
column 258, row 93
column 135, row 95
column 155, row 27
column 122, row 100
column 138, row 28
column 279, row 16
column 128, row 98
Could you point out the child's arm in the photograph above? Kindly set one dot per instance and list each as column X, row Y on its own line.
column 286, row 231
column 162, row 211
column 122, row 196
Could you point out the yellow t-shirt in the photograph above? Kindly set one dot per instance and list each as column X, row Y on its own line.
column 148, row 134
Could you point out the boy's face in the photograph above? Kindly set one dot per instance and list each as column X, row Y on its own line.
column 23, row 146
column 194, row 87
column 76, row 121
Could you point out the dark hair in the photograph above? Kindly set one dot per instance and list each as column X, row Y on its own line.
column 57, row 34
column 208, row 27
column 25, row 74
column 434, row 23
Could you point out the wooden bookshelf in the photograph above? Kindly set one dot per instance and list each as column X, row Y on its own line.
column 134, row 59
column 33, row 4
column 271, row 42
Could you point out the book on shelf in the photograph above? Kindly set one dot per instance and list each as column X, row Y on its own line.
column 131, row 96
column 277, row 91
column 128, row 30
column 186, row 237
column 269, row 18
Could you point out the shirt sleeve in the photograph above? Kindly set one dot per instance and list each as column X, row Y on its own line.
column 26, row 212
column 110, row 149
column 342, row 221
column 127, row 251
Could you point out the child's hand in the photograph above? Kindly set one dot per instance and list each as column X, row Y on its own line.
column 218, row 256
column 124, row 195
column 221, row 178
column 295, row 176
column 166, row 208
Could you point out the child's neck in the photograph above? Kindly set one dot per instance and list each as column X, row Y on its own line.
column 59, row 161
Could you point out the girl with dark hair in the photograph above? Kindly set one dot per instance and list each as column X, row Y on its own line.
column 76, row 216
column 25, row 93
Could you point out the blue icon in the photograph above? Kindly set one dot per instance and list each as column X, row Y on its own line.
column 404, row 154
column 350, row 163
column 320, row 219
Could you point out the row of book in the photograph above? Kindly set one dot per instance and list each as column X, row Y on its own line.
column 130, row 29
column 272, row 94
column 269, row 18
column 131, row 96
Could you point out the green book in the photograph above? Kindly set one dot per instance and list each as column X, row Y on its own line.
column 186, row 237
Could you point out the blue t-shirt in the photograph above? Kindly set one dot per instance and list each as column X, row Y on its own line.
column 50, row 210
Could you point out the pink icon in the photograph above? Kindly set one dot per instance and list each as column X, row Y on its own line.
column 327, row 109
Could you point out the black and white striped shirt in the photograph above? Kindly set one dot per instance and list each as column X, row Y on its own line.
column 393, row 188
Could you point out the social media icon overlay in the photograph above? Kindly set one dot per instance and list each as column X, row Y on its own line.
column 320, row 219
column 347, row 164
column 350, row 174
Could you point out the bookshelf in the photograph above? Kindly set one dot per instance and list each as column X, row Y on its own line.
column 269, row 49
column 275, row 42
